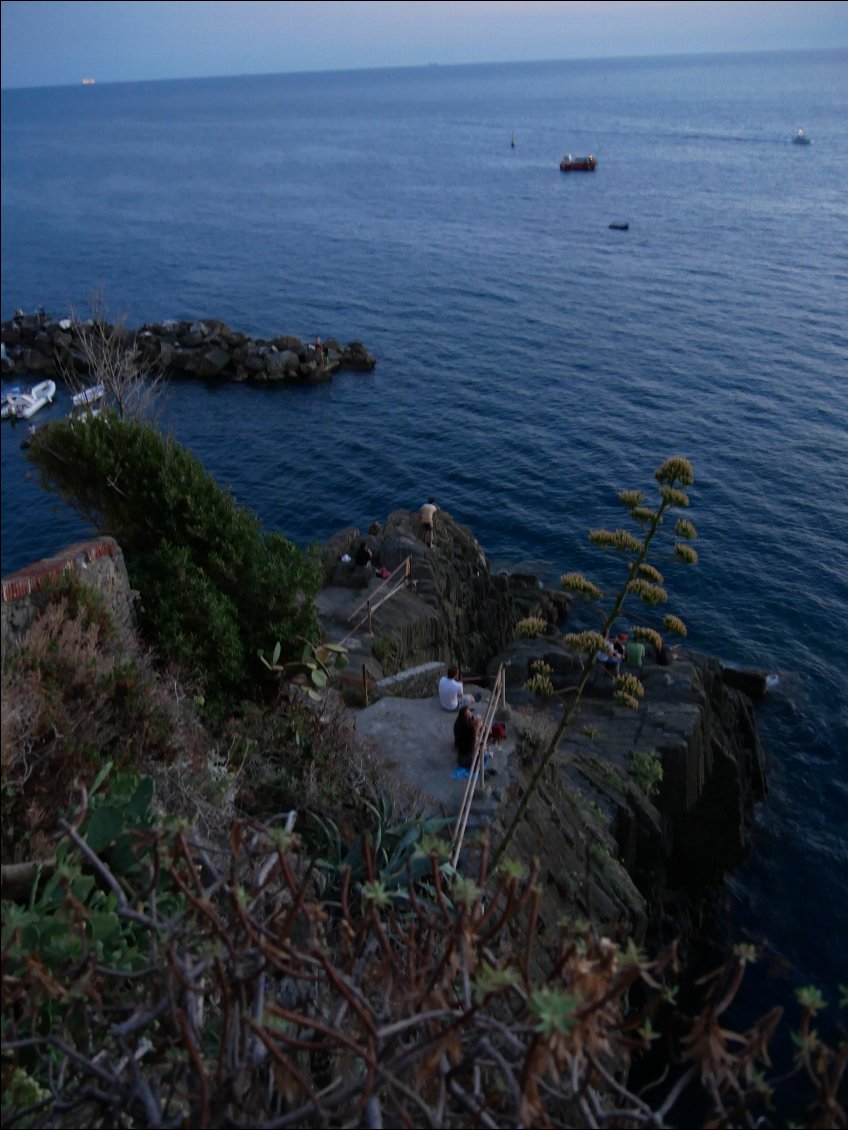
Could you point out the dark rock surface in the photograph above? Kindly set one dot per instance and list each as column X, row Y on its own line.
column 458, row 610
column 209, row 350
column 611, row 846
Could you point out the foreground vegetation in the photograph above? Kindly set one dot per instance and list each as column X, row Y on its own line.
column 237, row 922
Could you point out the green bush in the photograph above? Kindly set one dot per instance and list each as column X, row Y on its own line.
column 647, row 771
column 214, row 586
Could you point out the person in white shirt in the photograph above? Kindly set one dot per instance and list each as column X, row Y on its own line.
column 451, row 691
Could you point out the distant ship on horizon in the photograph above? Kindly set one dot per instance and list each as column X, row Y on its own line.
column 88, row 82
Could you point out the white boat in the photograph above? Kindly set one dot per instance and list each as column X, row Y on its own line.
column 88, row 396
column 28, row 403
column 10, row 401
column 802, row 138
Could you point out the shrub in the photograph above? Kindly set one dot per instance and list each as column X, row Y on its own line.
column 531, row 627
column 647, row 771
column 214, row 586
column 73, row 699
column 540, row 681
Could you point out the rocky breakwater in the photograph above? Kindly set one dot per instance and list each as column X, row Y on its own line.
column 643, row 811
column 40, row 345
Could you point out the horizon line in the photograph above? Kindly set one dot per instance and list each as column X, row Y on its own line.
column 434, row 65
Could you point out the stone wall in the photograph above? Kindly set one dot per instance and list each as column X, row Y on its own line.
column 416, row 682
column 99, row 563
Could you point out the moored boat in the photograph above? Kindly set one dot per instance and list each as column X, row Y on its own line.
column 26, row 404
column 802, row 138
column 620, row 227
column 571, row 164
column 88, row 396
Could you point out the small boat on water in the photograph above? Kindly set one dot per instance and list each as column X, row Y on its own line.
column 802, row 138
column 88, row 396
column 22, row 405
column 571, row 164
column 512, row 143
column 620, row 227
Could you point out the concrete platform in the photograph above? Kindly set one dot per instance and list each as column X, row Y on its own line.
column 415, row 740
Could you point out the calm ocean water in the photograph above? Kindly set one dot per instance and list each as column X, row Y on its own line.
column 532, row 362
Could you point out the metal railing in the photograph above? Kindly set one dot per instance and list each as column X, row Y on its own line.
column 399, row 579
column 478, row 763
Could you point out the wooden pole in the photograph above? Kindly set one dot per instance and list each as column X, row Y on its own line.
column 365, row 683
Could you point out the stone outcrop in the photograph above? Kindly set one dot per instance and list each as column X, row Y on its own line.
column 614, row 845
column 207, row 350
column 457, row 610
column 99, row 563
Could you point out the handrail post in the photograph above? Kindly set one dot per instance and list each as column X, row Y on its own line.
column 365, row 683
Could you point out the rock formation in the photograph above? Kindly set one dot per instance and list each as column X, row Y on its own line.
column 615, row 846
column 210, row 350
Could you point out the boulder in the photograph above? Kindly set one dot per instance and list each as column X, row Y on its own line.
column 212, row 362
column 36, row 362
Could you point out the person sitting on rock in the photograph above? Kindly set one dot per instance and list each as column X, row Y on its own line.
column 451, row 691
column 609, row 657
column 363, row 555
column 465, row 730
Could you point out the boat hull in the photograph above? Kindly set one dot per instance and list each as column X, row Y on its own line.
column 88, row 396
column 578, row 164
column 28, row 403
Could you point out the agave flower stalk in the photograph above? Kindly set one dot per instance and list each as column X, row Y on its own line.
column 641, row 580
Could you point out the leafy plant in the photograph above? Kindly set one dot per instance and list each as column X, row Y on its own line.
column 382, row 862
column 648, row 772
column 312, row 669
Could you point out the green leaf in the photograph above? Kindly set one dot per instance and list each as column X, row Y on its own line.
column 105, row 824
column 139, row 806
column 100, row 778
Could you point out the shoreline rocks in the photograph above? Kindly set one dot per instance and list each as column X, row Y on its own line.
column 43, row 346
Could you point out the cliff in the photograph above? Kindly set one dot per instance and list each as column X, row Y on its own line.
column 617, row 844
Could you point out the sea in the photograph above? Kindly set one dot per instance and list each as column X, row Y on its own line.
column 531, row 361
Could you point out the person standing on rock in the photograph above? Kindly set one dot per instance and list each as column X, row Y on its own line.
column 426, row 516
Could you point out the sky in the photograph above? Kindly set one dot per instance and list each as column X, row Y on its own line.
column 47, row 43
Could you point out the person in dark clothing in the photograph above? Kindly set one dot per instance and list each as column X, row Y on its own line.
column 363, row 555
column 465, row 730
